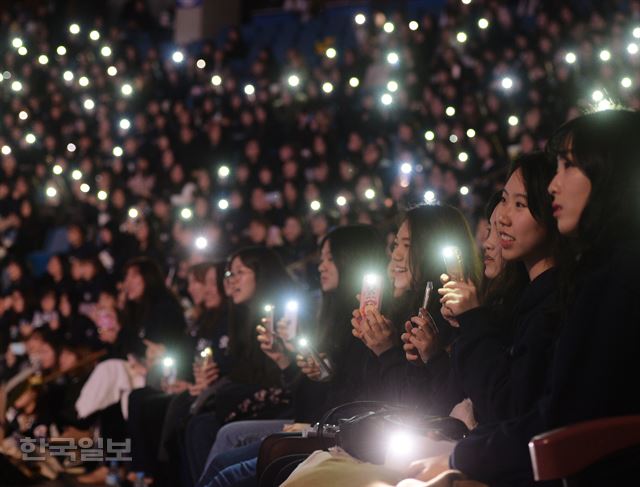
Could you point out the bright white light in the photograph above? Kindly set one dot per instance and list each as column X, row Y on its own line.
column 168, row 362
column 393, row 58
column 43, row 59
column 449, row 252
column 23, row 115
column 112, row 71
column 125, row 124
column 413, row 25
column 57, row 169
column 105, row 51
column 292, row 305
column 216, row 80
column 71, row 147
column 632, row 48
column 386, row 99
column 513, row 120
column 6, row 150
column 369, row 194
column 406, row 168
column 201, row 64
column 16, row 42
column 126, row 89
column 570, row 58
column 249, row 90
column 94, row 35
column 354, row 82
column 597, row 95
column 76, row 175
column 74, row 29
column 201, row 243
column 453, row 138
column 463, row 157
column 315, row 205
column 51, row 192
column 371, row 279
column 16, row 86
column 605, row 55
column 402, row 444
column 223, row 204
column 392, row 86
column 84, row 187
column 61, row 50
column 331, row 53
column 429, row 197
column 117, row 151
column 177, row 57
column 89, row 104
column 133, row 213
column 604, row 105
column 224, row 172
column 269, row 308
column 466, row 2
column 293, row 80
column 507, row 83
column 450, row 111
column 464, row 191
column 461, row 37
column 636, row 32
column 83, row 81
column 303, row 343
column 30, row 138
column 471, row 133
column 102, row 195
column 327, row 87
column 67, row 76
column 429, row 135
column 483, row 23
column 341, row 201
column 626, row 82
column 360, row 19
column 186, row 214
column 22, row 51
column 388, row 27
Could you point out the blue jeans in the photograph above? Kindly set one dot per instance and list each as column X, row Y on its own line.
column 234, row 467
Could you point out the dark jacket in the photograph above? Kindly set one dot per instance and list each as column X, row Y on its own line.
column 591, row 376
column 503, row 380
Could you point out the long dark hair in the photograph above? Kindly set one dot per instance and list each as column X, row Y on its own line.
column 605, row 145
column 356, row 250
column 274, row 285
column 432, row 228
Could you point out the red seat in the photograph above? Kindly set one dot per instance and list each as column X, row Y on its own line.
column 567, row 451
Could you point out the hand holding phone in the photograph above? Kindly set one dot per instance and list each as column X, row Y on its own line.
column 371, row 293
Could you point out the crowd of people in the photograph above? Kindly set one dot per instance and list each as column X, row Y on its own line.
column 174, row 220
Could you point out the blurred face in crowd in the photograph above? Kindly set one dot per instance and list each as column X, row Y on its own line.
column 195, row 289
column 292, row 229
column 48, row 302
column 399, row 268
column 329, row 277
column 570, row 189
column 133, row 284
column 242, row 282
column 67, row 360
column 212, row 298
column 74, row 235
column 47, row 356
column 522, row 238
column 493, row 263
column 54, row 267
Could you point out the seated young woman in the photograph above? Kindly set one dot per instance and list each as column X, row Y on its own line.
column 417, row 259
column 346, row 254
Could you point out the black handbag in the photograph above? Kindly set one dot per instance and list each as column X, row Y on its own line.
column 363, row 428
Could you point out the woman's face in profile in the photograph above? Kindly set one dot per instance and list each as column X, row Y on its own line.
column 242, row 282
column 399, row 267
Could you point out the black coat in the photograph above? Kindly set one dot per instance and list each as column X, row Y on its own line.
column 504, row 379
column 593, row 375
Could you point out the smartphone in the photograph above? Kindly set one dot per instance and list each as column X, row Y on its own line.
column 307, row 350
column 423, row 313
column 371, row 293
column 269, row 316
column 18, row 348
column 291, row 319
column 453, row 263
